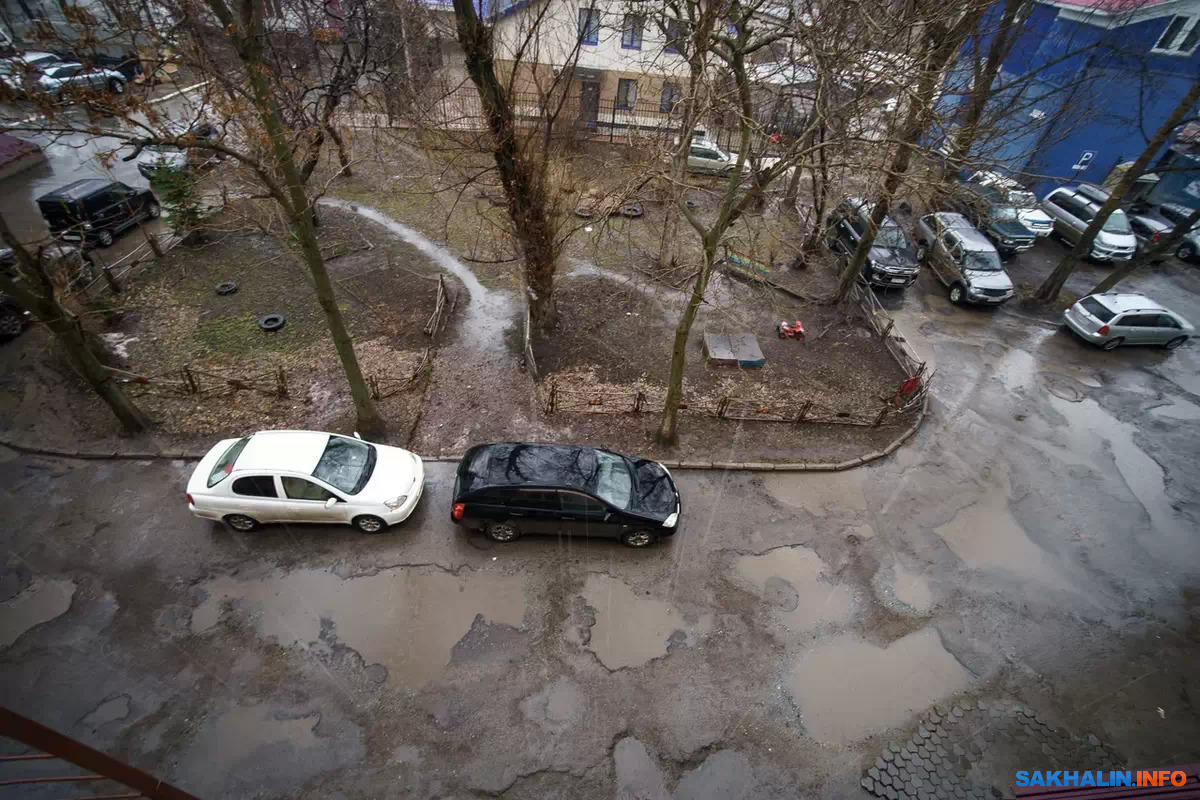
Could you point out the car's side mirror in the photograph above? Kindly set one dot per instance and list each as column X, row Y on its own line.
column 331, row 502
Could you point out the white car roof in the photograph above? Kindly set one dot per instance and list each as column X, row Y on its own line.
column 283, row 451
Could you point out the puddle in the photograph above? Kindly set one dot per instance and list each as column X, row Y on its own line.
column 848, row 689
column 987, row 537
column 487, row 315
column 1091, row 424
column 632, row 629
column 791, row 580
column 911, row 588
column 245, row 751
column 42, row 601
column 407, row 620
column 819, row 493
column 1177, row 409
column 1016, row 368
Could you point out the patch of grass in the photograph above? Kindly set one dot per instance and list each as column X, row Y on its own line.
column 239, row 335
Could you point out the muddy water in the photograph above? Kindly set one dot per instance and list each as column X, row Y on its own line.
column 820, row 493
column 847, row 688
column 793, row 581
column 911, row 588
column 1177, row 409
column 986, row 536
column 633, row 628
column 489, row 313
column 41, row 602
column 408, row 620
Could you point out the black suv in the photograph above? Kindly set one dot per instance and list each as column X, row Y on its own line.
column 508, row 490
column 988, row 209
column 94, row 210
column 892, row 260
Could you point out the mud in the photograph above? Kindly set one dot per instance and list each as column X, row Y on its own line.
column 794, row 583
column 848, row 689
column 633, row 628
column 39, row 603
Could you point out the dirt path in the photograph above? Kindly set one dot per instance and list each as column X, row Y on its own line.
column 478, row 391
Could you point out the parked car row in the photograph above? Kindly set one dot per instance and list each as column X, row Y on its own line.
column 45, row 73
column 505, row 490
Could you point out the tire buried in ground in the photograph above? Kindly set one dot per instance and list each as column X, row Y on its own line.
column 272, row 322
column 227, row 287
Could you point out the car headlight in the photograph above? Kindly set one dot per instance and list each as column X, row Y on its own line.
column 396, row 502
column 87, row 226
column 670, row 521
column 1006, row 241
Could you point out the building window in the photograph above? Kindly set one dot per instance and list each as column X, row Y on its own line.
column 589, row 26
column 1180, row 37
column 677, row 36
column 631, row 32
column 626, row 93
column 670, row 96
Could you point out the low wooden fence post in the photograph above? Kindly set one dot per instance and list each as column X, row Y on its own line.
column 281, row 387
column 804, row 410
column 879, row 420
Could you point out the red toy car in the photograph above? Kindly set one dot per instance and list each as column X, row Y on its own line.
column 791, row 330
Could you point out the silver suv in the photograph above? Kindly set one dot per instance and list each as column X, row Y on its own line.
column 963, row 259
column 1074, row 207
column 1115, row 318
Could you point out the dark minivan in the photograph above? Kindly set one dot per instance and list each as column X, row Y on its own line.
column 509, row 490
column 95, row 210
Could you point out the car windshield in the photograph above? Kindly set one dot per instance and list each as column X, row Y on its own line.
column 613, row 481
column 346, row 464
column 1003, row 213
column 982, row 260
column 1096, row 309
column 891, row 236
column 1117, row 223
column 162, row 148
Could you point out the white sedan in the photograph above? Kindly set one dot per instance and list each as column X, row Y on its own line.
column 305, row 476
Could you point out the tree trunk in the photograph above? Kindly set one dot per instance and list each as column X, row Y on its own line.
column 301, row 216
column 981, row 89
column 1048, row 291
column 524, row 183
column 944, row 47
column 1162, row 247
column 792, row 192
column 819, row 181
column 668, row 427
column 69, row 332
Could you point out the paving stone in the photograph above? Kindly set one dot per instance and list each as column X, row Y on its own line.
column 941, row 751
column 924, row 795
column 958, row 750
column 892, row 794
column 982, row 705
column 923, row 732
column 885, row 778
column 940, row 709
column 888, row 755
column 868, row 784
column 880, row 764
column 908, row 754
column 957, row 712
column 893, row 769
column 873, row 773
column 941, row 793
column 935, row 717
column 1092, row 740
column 895, row 748
column 917, row 783
column 935, row 759
column 960, row 793
column 967, row 706
column 934, row 739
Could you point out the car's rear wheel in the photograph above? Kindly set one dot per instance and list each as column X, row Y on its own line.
column 502, row 531
column 104, row 238
column 11, row 322
column 1113, row 344
column 957, row 294
column 1186, row 252
column 1178, row 340
column 241, row 523
column 116, row 86
column 638, row 538
column 153, row 210
column 369, row 524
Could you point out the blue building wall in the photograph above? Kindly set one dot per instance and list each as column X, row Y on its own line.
column 1130, row 93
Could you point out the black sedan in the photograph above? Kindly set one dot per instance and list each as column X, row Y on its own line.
column 511, row 489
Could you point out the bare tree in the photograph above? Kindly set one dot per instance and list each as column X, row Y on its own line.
column 38, row 294
column 939, row 41
column 1048, row 291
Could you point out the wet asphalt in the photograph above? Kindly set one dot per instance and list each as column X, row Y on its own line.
column 1035, row 542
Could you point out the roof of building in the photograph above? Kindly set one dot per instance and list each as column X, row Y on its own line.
column 1110, row 6
column 294, row 451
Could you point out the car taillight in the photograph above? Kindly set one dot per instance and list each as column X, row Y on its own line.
column 457, row 512
column 1103, row 330
column 1154, row 238
column 190, row 500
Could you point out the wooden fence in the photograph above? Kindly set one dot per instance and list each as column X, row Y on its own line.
column 794, row 409
column 385, row 386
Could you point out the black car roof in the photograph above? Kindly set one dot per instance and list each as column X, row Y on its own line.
column 77, row 190
column 528, row 464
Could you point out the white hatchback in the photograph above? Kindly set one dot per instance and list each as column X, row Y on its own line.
column 305, row 476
